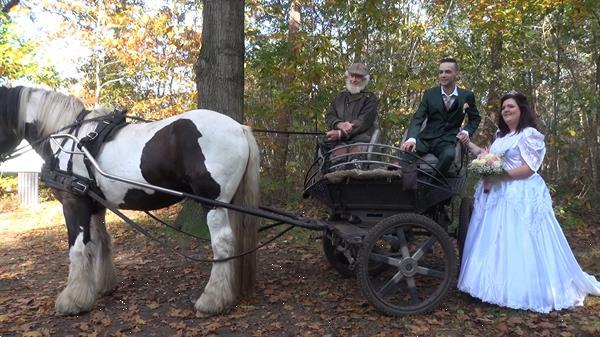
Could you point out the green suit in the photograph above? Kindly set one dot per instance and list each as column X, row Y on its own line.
column 439, row 135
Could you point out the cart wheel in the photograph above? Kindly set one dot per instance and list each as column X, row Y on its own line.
column 421, row 260
column 336, row 258
column 464, row 217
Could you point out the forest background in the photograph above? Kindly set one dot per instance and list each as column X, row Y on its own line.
column 143, row 56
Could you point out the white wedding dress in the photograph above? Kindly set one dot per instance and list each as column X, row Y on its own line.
column 515, row 253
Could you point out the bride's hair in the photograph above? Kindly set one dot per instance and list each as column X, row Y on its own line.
column 527, row 118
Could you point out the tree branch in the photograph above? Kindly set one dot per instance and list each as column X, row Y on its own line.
column 108, row 64
column 111, row 81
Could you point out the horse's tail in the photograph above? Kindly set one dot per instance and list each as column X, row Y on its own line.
column 244, row 225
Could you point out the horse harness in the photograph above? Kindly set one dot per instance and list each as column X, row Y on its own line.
column 68, row 181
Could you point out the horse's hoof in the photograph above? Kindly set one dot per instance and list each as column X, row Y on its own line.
column 68, row 303
column 209, row 305
column 63, row 308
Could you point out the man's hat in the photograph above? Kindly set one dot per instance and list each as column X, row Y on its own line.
column 358, row 68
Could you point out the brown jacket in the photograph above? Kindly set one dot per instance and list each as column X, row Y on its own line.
column 359, row 109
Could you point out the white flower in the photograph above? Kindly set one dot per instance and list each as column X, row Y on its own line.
column 487, row 165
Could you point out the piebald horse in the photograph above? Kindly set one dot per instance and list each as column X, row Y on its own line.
column 201, row 152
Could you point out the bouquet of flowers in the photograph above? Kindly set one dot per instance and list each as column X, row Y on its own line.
column 487, row 165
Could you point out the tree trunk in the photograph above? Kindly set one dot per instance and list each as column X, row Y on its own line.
column 220, row 69
column 554, row 150
column 593, row 116
column 284, row 119
column 220, row 85
column 99, row 58
column 488, row 126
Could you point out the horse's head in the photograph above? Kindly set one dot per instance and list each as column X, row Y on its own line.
column 10, row 133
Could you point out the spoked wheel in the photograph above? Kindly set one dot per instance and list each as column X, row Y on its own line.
column 421, row 265
column 464, row 217
column 336, row 256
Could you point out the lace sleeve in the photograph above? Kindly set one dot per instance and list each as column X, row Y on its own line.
column 532, row 148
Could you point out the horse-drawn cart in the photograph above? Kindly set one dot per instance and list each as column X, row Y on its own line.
column 388, row 222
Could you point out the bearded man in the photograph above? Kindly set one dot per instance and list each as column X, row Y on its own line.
column 351, row 116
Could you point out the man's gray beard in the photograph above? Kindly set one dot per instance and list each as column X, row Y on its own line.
column 355, row 89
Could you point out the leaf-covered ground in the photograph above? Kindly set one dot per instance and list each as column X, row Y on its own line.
column 298, row 293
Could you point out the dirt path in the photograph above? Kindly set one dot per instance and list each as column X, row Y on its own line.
column 297, row 294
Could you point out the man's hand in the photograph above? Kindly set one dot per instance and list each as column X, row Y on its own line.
column 346, row 127
column 408, row 146
column 463, row 137
column 333, row 135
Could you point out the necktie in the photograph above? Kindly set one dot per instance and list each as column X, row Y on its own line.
column 447, row 101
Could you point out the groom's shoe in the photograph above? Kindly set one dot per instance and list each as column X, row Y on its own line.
column 353, row 219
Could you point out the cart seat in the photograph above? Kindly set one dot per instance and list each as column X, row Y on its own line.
column 378, row 173
column 432, row 160
column 429, row 158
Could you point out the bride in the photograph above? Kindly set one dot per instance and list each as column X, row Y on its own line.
column 515, row 253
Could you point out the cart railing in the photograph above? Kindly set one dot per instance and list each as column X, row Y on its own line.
column 376, row 156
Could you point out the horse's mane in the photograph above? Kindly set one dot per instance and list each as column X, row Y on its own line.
column 9, row 114
column 55, row 110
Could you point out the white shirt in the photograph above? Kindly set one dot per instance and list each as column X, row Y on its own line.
column 449, row 98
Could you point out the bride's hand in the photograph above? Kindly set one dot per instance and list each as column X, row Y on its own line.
column 484, row 151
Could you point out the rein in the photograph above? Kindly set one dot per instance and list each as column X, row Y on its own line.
column 152, row 237
column 166, row 246
column 305, row 133
column 164, row 223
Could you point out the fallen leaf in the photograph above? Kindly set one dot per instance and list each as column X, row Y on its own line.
column 515, row 320
column 502, row 327
column 34, row 333
column 211, row 327
column 546, row 325
column 592, row 330
column 84, row 327
column 314, row 325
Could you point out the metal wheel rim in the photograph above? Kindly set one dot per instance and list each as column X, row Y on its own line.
column 406, row 268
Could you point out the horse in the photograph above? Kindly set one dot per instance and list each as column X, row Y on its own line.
column 201, row 152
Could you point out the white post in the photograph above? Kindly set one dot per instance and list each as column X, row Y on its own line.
column 28, row 166
column 28, row 188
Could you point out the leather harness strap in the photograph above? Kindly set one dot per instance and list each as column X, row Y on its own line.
column 53, row 176
column 104, row 132
column 74, row 127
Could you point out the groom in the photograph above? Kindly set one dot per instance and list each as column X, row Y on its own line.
column 444, row 108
